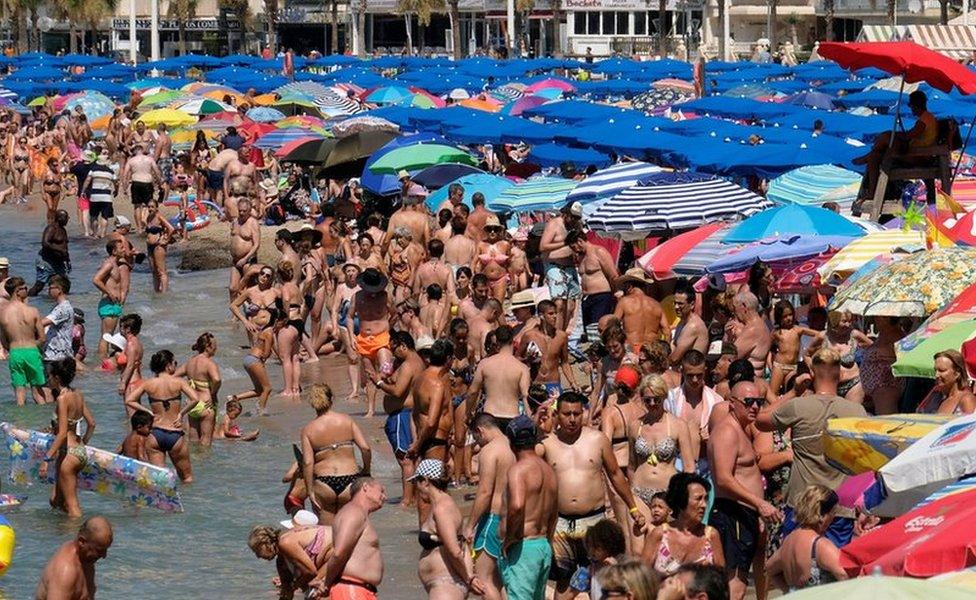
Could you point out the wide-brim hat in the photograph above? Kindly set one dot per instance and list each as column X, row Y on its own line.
column 523, row 299
column 633, row 275
column 115, row 339
column 310, row 234
column 269, row 186
column 372, row 280
column 302, row 518
column 493, row 222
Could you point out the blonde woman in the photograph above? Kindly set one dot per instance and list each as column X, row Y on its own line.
column 329, row 459
column 951, row 394
column 298, row 553
column 807, row 558
column 629, row 579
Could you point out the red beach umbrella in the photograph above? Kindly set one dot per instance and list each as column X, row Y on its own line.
column 935, row 538
column 913, row 62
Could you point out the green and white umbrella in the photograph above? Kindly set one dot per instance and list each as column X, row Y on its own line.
column 420, row 156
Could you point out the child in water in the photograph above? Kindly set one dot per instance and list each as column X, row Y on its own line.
column 785, row 345
column 228, row 428
column 134, row 444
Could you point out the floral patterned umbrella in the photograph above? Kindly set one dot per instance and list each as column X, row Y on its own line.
column 658, row 100
column 913, row 287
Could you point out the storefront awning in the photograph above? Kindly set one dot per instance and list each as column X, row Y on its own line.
column 880, row 33
column 955, row 41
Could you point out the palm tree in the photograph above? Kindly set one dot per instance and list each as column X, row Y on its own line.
column 455, row 13
column 93, row 13
column 829, row 19
column 662, row 41
column 891, row 11
column 271, row 22
column 772, row 22
column 182, row 11
column 524, row 8
column 335, row 26
column 424, row 9
column 241, row 10
column 944, row 12
column 557, row 18
column 361, row 25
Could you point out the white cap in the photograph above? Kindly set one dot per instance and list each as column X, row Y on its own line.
column 115, row 339
column 302, row 518
column 122, row 221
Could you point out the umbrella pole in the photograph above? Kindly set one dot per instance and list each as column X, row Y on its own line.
column 894, row 125
column 962, row 151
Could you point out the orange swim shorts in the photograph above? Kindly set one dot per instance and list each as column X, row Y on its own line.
column 369, row 345
column 348, row 588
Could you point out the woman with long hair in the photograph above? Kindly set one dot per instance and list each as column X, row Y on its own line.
column 951, row 394
column 67, row 451
column 159, row 235
column 203, row 374
column 329, row 460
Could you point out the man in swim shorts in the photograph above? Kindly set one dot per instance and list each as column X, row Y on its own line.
column 562, row 277
column 371, row 305
column 355, row 567
column 112, row 279
column 482, row 530
column 21, row 332
column 531, row 490
column 140, row 172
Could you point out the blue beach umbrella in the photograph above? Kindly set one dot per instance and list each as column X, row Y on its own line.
column 489, row 185
column 779, row 249
column 555, row 155
column 792, row 219
column 391, row 94
column 814, row 185
column 816, row 100
column 265, row 114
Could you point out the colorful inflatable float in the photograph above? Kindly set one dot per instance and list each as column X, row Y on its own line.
column 861, row 444
column 108, row 474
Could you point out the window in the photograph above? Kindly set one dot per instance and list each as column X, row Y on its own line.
column 608, row 21
column 593, row 23
column 579, row 23
column 623, row 23
column 640, row 23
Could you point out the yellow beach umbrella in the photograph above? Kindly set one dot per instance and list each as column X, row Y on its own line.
column 170, row 116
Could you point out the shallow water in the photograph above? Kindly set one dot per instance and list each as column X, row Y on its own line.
column 201, row 552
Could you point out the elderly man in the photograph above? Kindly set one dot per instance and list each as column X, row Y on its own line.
column 562, row 277
column 70, row 574
column 752, row 338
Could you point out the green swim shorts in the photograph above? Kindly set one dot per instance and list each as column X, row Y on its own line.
column 525, row 568
column 486, row 538
column 26, row 367
column 108, row 309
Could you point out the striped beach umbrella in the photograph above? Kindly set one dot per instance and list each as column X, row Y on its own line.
column 280, row 137
column 861, row 251
column 707, row 251
column 609, row 182
column 337, row 106
column 814, row 185
column 265, row 114
column 667, row 201
column 201, row 106
column 541, row 194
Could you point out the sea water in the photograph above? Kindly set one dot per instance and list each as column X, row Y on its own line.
column 202, row 552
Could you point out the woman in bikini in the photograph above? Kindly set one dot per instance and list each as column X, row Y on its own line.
column 445, row 569
column 493, row 257
column 299, row 553
column 402, row 261
column 253, row 306
column 200, row 155
column 687, row 540
column 845, row 340
column 203, row 375
column 51, row 186
column 21, row 166
column 807, row 558
column 165, row 392
column 656, row 440
column 951, row 394
column 67, row 452
column 329, row 460
column 159, row 234
column 262, row 344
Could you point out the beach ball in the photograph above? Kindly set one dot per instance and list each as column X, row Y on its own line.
column 7, row 540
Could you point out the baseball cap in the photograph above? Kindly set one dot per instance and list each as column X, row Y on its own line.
column 4, row 262
column 522, row 430
column 302, row 518
column 719, row 348
column 576, row 209
column 628, row 376
column 429, row 468
column 122, row 221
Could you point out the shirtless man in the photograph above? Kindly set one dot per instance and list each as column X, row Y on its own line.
column 141, row 137
column 482, row 530
column 561, row 274
column 691, row 332
column 693, row 402
column 480, row 323
column 530, row 517
column 434, row 271
column 371, row 305
column 432, row 416
column 597, row 270
column 436, row 313
column 412, row 216
column 215, row 174
column 70, row 574
column 459, row 249
column 240, row 178
column 455, row 196
column 752, row 338
column 112, row 279
column 475, row 223
column 398, row 404
column 139, row 173
column 21, row 333
column 739, row 491
column 355, row 567
column 581, row 457
column 163, row 155
column 283, row 243
column 473, row 304
column 503, row 378
column 642, row 316
column 245, row 241
column 548, row 346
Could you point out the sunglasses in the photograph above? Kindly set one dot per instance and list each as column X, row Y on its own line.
column 750, row 402
column 265, row 274
column 648, row 398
